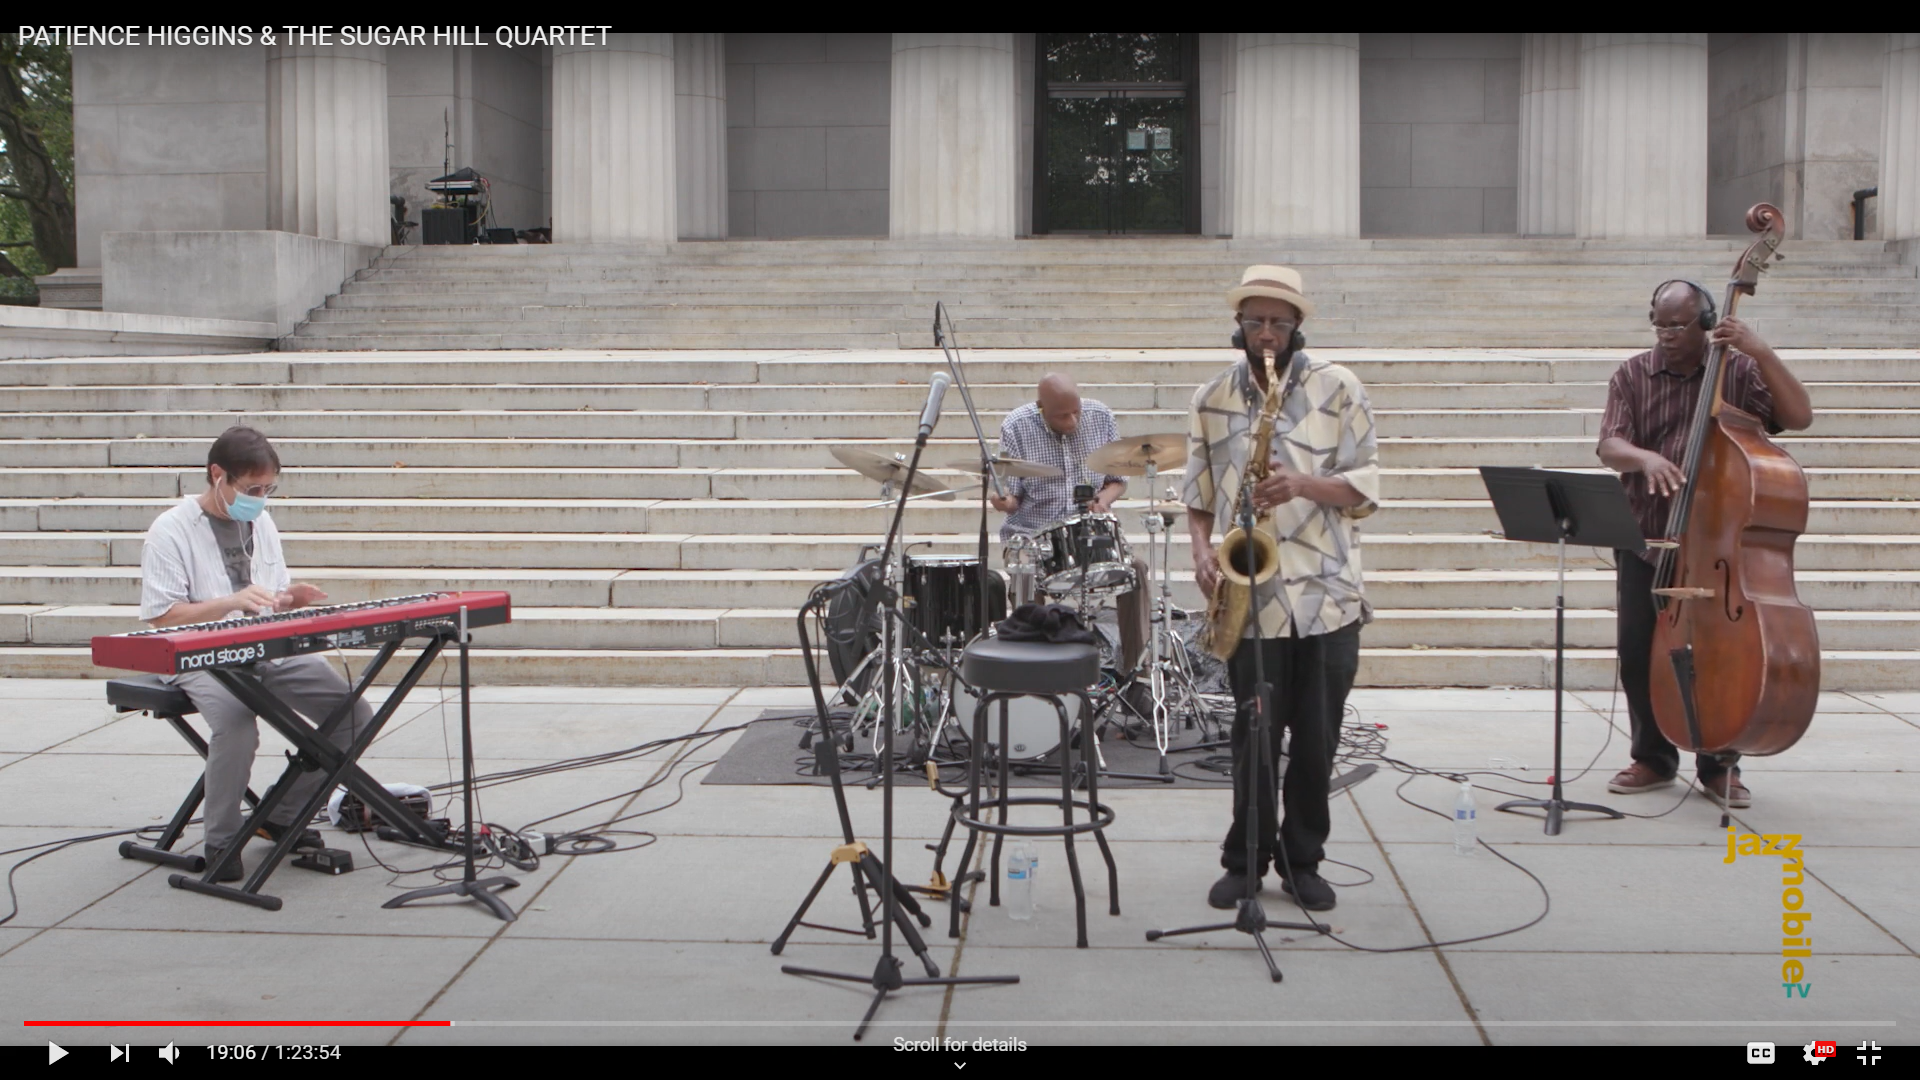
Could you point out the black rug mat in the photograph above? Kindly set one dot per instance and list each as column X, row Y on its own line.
column 769, row 753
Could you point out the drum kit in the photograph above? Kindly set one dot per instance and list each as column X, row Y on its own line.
column 1082, row 561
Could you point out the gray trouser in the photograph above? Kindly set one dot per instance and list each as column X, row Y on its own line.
column 311, row 687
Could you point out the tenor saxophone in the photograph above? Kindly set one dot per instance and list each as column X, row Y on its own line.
column 1246, row 561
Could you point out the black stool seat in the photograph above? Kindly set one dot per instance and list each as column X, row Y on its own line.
column 147, row 693
column 1030, row 667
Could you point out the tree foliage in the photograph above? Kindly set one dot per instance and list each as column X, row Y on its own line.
column 37, row 231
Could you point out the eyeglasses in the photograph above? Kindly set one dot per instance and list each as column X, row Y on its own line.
column 1282, row 327
column 1676, row 327
column 258, row 491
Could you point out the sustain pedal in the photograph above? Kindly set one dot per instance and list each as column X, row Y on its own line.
column 325, row 860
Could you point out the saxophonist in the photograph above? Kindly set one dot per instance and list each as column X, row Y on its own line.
column 1322, row 476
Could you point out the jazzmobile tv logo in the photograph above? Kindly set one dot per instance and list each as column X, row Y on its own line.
column 1796, row 945
column 242, row 654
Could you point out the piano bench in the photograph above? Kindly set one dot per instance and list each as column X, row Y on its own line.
column 147, row 693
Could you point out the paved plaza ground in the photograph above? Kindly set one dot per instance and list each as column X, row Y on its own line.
column 1651, row 938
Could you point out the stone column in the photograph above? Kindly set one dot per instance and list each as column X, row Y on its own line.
column 1899, row 196
column 700, row 134
column 1549, row 133
column 1296, row 132
column 1643, row 135
column 952, row 137
column 1229, row 72
column 327, row 142
column 613, row 141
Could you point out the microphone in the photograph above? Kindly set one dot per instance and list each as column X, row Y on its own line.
column 936, row 390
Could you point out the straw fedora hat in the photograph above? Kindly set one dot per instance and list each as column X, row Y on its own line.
column 1278, row 282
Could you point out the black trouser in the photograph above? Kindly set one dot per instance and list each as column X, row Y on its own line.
column 1634, row 634
column 1310, row 677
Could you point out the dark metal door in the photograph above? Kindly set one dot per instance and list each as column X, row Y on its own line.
column 1115, row 134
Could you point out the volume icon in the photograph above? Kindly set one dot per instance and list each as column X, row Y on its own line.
column 168, row 1054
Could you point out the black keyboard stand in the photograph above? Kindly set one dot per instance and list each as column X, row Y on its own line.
column 314, row 751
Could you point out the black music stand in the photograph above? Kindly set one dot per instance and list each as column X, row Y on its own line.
column 1547, row 506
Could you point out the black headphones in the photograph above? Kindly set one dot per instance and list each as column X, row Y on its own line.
column 1709, row 315
column 1295, row 343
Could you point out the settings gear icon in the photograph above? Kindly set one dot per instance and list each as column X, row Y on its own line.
column 1809, row 1055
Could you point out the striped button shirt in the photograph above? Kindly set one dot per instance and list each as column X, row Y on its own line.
column 180, row 562
column 1651, row 406
column 1024, row 434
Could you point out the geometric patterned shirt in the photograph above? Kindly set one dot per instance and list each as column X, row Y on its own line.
column 1651, row 406
column 1024, row 434
column 1325, row 428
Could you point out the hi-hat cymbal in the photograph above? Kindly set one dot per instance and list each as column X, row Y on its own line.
column 1008, row 467
column 887, row 470
column 1130, row 456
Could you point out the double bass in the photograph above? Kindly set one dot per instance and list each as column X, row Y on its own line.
column 1736, row 655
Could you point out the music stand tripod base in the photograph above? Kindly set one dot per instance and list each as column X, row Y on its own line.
column 1544, row 506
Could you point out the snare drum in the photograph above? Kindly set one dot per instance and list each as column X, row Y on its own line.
column 1085, row 550
column 946, row 591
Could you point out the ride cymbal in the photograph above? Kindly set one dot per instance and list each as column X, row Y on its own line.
column 1130, row 456
column 887, row 470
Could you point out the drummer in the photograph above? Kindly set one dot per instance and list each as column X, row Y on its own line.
column 1060, row 429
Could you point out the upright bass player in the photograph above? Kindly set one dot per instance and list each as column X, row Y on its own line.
column 1651, row 404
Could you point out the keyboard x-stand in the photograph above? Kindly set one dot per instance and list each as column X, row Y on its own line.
column 389, row 622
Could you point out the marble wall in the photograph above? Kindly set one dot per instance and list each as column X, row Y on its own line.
column 807, row 140
column 1439, row 133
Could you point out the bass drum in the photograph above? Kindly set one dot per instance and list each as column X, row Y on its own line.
column 853, row 625
column 1033, row 728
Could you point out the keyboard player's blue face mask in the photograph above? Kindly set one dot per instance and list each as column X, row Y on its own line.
column 246, row 505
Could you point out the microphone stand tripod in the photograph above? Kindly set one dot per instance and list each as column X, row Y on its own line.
column 1250, row 918
column 886, row 977
column 470, row 885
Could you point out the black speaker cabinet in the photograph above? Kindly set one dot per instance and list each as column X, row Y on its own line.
column 445, row 226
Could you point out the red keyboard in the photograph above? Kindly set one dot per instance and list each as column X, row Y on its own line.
column 175, row 650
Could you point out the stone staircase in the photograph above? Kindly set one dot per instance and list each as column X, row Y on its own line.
column 659, row 516
column 1084, row 293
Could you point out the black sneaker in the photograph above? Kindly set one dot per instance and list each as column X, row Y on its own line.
column 234, row 870
column 1315, row 894
column 1227, row 893
column 309, row 838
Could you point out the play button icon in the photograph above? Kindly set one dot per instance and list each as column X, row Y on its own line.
column 55, row 1052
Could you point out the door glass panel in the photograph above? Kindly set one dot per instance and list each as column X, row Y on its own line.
column 1117, row 143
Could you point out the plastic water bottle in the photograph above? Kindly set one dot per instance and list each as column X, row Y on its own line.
column 1463, row 820
column 1019, row 888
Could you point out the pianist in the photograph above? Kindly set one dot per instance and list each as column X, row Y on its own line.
column 216, row 556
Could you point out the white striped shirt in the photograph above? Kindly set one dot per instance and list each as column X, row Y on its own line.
column 181, row 564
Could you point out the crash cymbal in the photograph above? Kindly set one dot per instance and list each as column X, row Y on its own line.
column 1130, row 456
column 887, row 470
column 1008, row 467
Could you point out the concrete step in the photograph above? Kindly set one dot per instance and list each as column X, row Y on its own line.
column 705, row 628
column 1586, row 669
column 757, row 516
column 1571, row 451
column 715, row 483
column 637, row 551
column 985, row 367
column 899, row 397
column 596, row 423
column 1527, row 589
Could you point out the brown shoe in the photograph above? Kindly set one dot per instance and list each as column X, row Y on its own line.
column 1717, row 789
column 1637, row 778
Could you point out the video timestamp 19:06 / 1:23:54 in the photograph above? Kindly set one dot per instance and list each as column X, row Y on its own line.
column 224, row 1052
